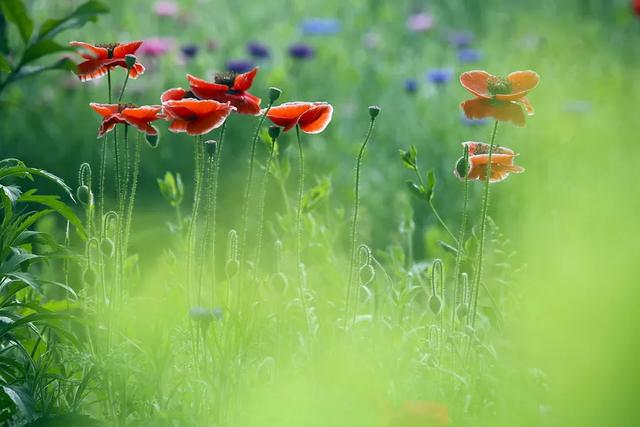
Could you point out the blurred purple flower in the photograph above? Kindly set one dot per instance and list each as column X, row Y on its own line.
column 258, row 50
column 439, row 76
column 577, row 107
column 411, row 85
column 301, row 51
column 420, row 22
column 469, row 55
column 239, row 65
column 155, row 47
column 320, row 26
column 461, row 39
column 166, row 8
column 205, row 315
column 189, row 51
column 473, row 122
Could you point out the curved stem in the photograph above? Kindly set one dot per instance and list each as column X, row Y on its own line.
column 483, row 227
column 247, row 190
column 354, row 223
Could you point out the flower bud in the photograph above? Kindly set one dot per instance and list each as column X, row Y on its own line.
column 274, row 132
column 462, row 310
column 462, row 168
column 231, row 268
column 435, row 304
column 468, row 330
column 367, row 273
column 130, row 60
column 152, row 140
column 374, row 110
column 90, row 277
column 274, row 94
column 107, row 247
column 210, row 146
column 84, row 195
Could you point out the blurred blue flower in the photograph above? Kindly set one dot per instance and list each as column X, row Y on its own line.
column 204, row 314
column 577, row 107
column 469, row 55
column 239, row 65
column 461, row 39
column 411, row 85
column 440, row 76
column 320, row 26
column 301, row 51
column 258, row 50
column 473, row 122
column 189, row 50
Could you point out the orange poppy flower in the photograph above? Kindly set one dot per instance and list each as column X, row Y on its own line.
column 193, row 116
column 313, row 117
column 504, row 99
column 102, row 58
column 140, row 117
column 229, row 87
column 501, row 162
column 421, row 413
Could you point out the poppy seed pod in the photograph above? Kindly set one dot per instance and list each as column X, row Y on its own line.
column 130, row 60
column 274, row 94
column 211, row 145
column 84, row 195
column 107, row 247
column 435, row 304
column 462, row 167
column 274, row 132
column 90, row 277
column 374, row 110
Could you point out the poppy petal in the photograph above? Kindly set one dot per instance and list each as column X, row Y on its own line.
column 91, row 69
column 109, row 123
column 178, row 125
column 98, row 52
column 121, row 50
column 288, row 114
column 173, row 94
column 244, row 81
column 143, row 126
column 316, row 119
column 480, row 108
column 245, row 103
column 527, row 106
column 204, row 89
column 207, row 123
column 148, row 113
column 523, row 81
column 136, row 70
column 476, row 82
column 105, row 110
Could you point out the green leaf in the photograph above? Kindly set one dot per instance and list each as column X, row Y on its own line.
column 67, row 420
column 409, row 157
column 28, row 71
column 319, row 192
column 56, row 204
column 431, row 184
column 23, row 400
column 42, row 48
column 24, row 171
column 16, row 12
column 417, row 190
column 11, row 191
column 5, row 65
column 83, row 14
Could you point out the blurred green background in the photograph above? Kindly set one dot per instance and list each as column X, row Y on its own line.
column 570, row 352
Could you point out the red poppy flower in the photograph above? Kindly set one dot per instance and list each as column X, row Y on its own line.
column 313, row 117
column 102, row 58
column 140, row 117
column 503, row 99
column 193, row 116
column 229, row 87
column 501, row 162
column 636, row 7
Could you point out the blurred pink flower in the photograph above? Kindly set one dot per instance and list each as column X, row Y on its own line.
column 156, row 46
column 166, row 8
column 420, row 22
column 371, row 40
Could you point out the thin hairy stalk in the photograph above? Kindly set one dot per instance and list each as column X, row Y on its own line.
column 193, row 223
column 206, row 241
column 247, row 189
column 460, row 253
column 132, row 193
column 354, row 223
column 299, row 208
column 214, row 199
column 124, row 85
column 261, row 205
column 483, row 228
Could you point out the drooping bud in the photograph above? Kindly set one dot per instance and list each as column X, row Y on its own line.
column 274, row 94
column 152, row 140
column 84, row 195
column 435, row 304
column 274, row 132
column 90, row 277
column 374, row 110
column 130, row 60
column 462, row 168
column 210, row 146
column 462, row 310
column 107, row 247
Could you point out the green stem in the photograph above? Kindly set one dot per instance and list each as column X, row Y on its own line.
column 460, row 253
column 124, row 85
column 206, row 241
column 132, row 195
column 433, row 208
column 214, row 197
column 483, row 227
column 261, row 205
column 299, row 208
column 247, row 190
column 354, row 223
column 193, row 223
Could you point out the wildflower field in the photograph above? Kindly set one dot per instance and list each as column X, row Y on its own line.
column 319, row 213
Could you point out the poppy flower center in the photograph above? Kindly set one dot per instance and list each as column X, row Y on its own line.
column 499, row 86
column 227, row 79
column 122, row 107
column 109, row 46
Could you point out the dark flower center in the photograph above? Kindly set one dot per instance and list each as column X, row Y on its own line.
column 499, row 86
column 122, row 107
column 227, row 79
column 109, row 46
